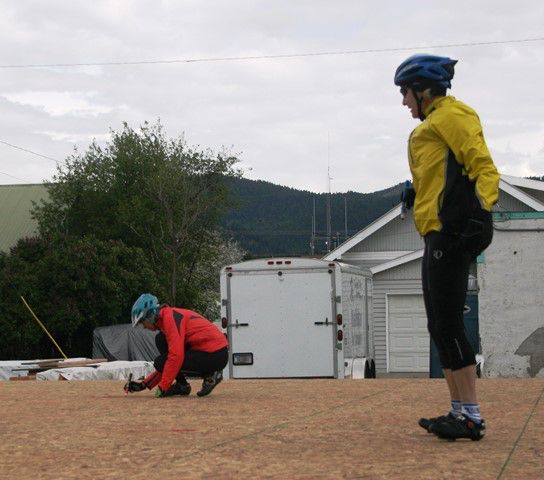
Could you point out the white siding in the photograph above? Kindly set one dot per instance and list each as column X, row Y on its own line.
column 396, row 235
column 410, row 270
column 538, row 194
column 507, row 203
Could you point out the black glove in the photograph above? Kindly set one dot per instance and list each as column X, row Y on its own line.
column 408, row 195
column 478, row 234
column 134, row 386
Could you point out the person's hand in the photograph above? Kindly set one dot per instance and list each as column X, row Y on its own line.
column 408, row 195
column 133, row 387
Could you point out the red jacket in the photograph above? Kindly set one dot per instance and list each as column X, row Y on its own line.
column 184, row 330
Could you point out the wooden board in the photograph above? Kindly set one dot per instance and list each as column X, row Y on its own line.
column 62, row 364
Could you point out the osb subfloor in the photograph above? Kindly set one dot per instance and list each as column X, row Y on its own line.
column 265, row 429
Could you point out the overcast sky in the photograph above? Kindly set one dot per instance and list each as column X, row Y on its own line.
column 288, row 118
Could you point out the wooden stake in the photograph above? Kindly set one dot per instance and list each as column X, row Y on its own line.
column 43, row 327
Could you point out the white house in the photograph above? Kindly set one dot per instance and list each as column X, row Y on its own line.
column 392, row 249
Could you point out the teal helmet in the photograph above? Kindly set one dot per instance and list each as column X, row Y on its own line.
column 145, row 308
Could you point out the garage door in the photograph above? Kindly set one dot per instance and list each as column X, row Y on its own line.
column 408, row 339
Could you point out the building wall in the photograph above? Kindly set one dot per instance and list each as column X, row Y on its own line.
column 511, row 281
column 15, row 206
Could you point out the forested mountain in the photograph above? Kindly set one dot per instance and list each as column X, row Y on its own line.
column 272, row 220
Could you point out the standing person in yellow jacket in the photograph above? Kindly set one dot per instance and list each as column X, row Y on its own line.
column 455, row 184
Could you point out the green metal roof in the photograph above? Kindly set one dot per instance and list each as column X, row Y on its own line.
column 15, row 206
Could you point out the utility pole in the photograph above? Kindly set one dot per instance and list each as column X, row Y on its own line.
column 329, row 195
column 345, row 218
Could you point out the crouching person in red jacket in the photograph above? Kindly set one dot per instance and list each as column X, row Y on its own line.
column 188, row 343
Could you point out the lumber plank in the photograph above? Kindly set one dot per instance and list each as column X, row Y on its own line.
column 64, row 364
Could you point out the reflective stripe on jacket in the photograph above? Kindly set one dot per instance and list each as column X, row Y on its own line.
column 453, row 174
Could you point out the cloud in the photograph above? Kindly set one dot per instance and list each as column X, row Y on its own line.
column 520, row 163
column 291, row 118
column 58, row 104
column 74, row 137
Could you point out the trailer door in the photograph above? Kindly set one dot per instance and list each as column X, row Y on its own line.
column 285, row 320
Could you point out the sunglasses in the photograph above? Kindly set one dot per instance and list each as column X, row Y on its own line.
column 403, row 91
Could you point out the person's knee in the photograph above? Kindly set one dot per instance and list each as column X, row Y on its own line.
column 224, row 359
column 460, row 353
column 466, row 360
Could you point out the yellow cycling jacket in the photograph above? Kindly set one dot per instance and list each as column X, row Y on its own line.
column 453, row 174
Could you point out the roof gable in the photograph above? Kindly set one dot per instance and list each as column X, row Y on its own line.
column 397, row 261
column 364, row 233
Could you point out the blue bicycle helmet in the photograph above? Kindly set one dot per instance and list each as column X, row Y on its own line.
column 422, row 71
column 145, row 308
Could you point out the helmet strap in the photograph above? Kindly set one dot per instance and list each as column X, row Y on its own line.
column 419, row 100
column 153, row 317
column 420, row 96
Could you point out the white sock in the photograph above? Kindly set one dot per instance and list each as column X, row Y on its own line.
column 456, row 408
column 472, row 411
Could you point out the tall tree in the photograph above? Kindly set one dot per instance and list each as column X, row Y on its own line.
column 149, row 192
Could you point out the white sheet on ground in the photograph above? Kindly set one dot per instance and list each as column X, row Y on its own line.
column 118, row 370
column 7, row 367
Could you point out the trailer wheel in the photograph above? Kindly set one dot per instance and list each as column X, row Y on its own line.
column 373, row 369
column 368, row 369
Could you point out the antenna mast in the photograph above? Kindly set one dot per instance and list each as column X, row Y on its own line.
column 329, row 178
column 345, row 217
column 312, row 241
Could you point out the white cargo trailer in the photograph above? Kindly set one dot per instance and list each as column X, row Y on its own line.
column 297, row 317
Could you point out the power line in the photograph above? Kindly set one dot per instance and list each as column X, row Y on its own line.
column 263, row 57
column 29, row 151
column 16, row 178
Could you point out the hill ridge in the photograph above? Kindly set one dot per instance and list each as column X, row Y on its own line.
column 273, row 220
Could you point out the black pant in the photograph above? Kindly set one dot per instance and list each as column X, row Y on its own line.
column 195, row 364
column 444, row 276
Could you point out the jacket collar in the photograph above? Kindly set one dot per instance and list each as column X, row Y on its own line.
column 437, row 103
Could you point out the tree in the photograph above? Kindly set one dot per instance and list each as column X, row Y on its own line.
column 148, row 192
column 73, row 285
column 138, row 215
column 220, row 254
